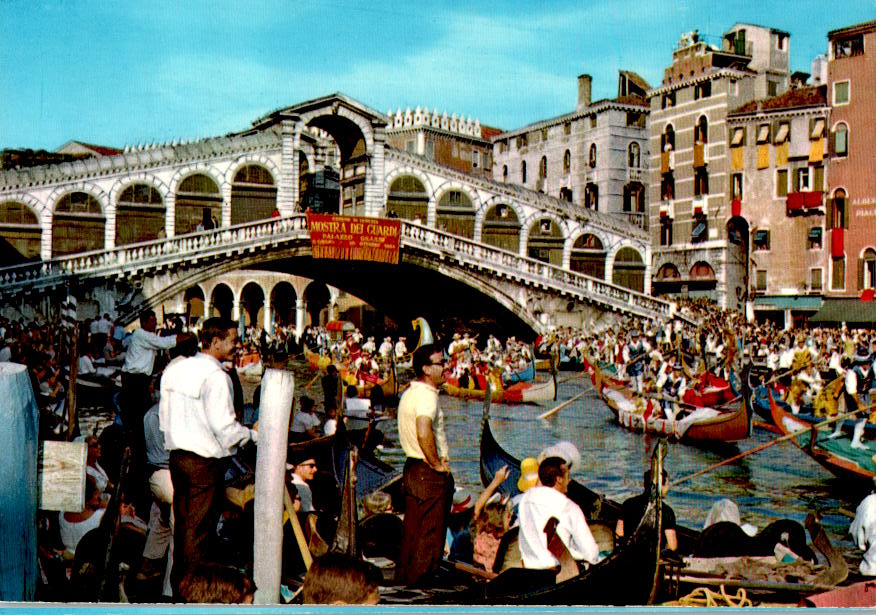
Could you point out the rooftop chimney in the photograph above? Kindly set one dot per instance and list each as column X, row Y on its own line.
column 584, row 82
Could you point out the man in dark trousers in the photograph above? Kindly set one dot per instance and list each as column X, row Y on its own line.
column 427, row 482
column 196, row 415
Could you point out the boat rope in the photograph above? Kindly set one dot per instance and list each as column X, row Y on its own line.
column 705, row 597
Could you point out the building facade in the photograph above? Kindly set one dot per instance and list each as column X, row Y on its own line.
column 777, row 185
column 690, row 181
column 851, row 215
column 594, row 157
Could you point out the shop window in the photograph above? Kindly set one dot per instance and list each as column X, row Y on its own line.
column 761, row 239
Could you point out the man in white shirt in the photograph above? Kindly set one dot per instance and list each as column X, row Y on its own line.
column 544, row 501
column 196, row 415
column 305, row 425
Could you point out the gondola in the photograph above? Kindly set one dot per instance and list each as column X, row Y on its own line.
column 702, row 425
column 527, row 374
column 836, row 455
column 761, row 405
column 630, row 575
column 520, row 392
column 389, row 384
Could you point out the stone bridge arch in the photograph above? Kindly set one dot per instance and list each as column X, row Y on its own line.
column 459, row 218
column 173, row 224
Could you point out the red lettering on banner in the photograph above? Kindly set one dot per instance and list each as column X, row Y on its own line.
column 354, row 238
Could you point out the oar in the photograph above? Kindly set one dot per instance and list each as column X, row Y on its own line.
column 757, row 449
column 556, row 409
column 312, row 380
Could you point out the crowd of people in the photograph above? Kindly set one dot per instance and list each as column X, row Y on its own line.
column 179, row 407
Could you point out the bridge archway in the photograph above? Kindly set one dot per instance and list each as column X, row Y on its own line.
column 588, row 256
column 282, row 302
column 545, row 241
column 198, row 202
column 252, row 305
column 408, row 198
column 78, row 224
column 502, row 228
column 140, row 214
column 317, row 299
column 253, row 194
column 20, row 232
column 629, row 269
column 221, row 301
column 195, row 304
column 455, row 213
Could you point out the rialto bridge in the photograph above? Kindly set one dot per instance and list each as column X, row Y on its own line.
column 157, row 221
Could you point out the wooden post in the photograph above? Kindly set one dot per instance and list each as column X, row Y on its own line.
column 72, row 416
column 278, row 389
column 19, row 429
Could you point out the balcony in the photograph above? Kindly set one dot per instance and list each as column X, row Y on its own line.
column 635, row 218
column 804, row 202
column 635, row 174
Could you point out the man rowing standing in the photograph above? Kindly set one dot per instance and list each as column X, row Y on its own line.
column 634, row 355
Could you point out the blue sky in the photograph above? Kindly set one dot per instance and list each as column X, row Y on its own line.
column 116, row 73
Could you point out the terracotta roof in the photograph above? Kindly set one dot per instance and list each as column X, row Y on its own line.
column 861, row 27
column 792, row 99
column 103, row 150
column 488, row 132
column 631, row 100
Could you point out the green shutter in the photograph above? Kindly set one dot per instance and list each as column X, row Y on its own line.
column 818, row 178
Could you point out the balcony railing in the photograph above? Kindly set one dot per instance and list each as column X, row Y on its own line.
column 635, row 218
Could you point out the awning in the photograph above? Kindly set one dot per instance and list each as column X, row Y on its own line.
column 788, row 302
column 738, row 136
column 851, row 311
column 699, row 230
column 736, row 207
column 782, row 133
column 817, row 129
column 795, row 201
column 763, row 133
column 812, row 199
column 340, row 325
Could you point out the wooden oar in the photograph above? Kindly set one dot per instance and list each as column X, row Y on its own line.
column 312, row 380
column 757, row 449
column 556, row 409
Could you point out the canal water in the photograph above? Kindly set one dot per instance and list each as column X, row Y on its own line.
column 779, row 482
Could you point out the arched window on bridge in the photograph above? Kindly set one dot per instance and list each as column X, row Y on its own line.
column 456, row 214
column 629, row 269
column 668, row 271
column 253, row 194
column 139, row 215
column 588, row 256
column 198, row 204
column 546, row 242
column 702, row 278
column 221, row 301
column 19, row 233
column 408, row 199
column 77, row 224
column 502, row 228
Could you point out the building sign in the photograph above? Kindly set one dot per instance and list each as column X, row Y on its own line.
column 354, row 238
column 862, row 212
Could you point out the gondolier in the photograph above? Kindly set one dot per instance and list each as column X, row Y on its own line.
column 427, row 482
column 634, row 355
column 859, row 379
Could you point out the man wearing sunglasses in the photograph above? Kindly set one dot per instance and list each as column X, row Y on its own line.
column 427, row 482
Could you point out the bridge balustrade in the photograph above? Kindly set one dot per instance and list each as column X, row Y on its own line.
column 206, row 244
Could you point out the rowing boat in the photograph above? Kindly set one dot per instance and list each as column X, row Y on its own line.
column 520, row 392
column 834, row 454
column 388, row 385
column 700, row 425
